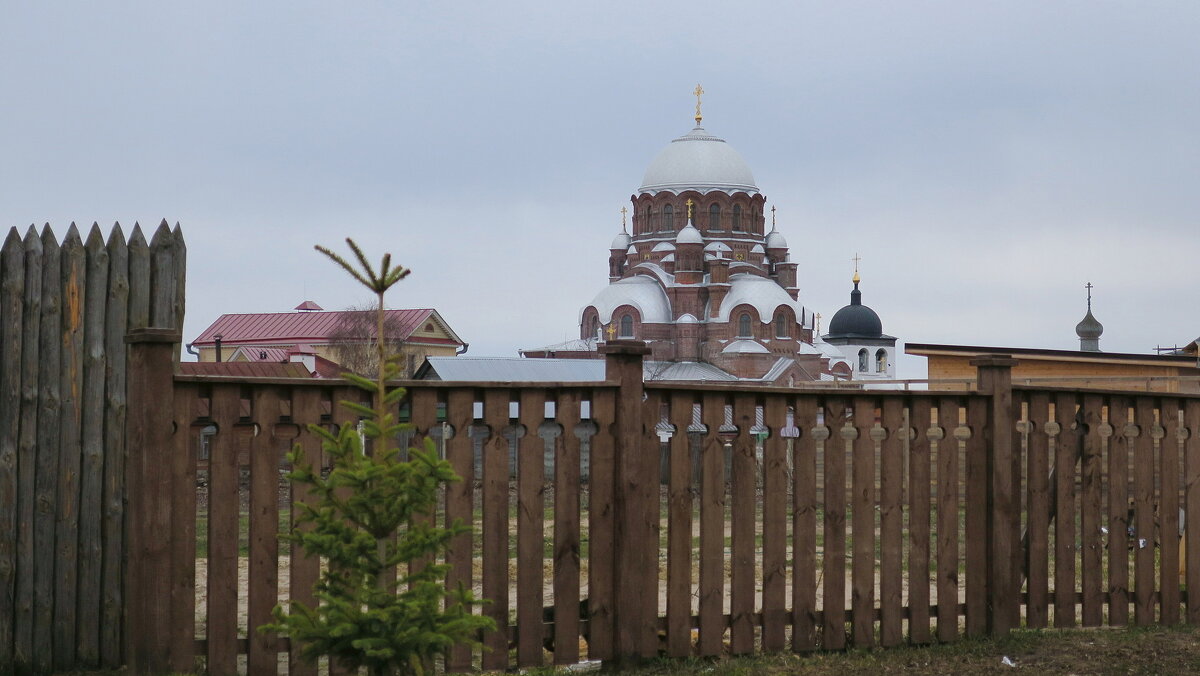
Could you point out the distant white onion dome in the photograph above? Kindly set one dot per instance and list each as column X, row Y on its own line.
column 620, row 242
column 775, row 240
column 689, row 235
column 698, row 161
column 639, row 291
column 1090, row 329
column 764, row 295
column 745, row 347
column 663, row 246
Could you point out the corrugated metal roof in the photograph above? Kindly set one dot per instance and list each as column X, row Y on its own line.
column 259, row 354
column 691, row 371
column 513, row 370
column 299, row 327
column 243, row 369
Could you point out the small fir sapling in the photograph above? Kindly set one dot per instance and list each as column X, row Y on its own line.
column 370, row 518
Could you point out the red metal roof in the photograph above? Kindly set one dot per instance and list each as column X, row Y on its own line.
column 244, row 369
column 296, row 327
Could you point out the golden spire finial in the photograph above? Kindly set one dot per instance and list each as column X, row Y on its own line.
column 623, row 212
column 698, row 91
column 690, row 206
column 818, row 326
column 856, row 279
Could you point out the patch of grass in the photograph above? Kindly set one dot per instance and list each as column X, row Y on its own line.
column 1152, row 650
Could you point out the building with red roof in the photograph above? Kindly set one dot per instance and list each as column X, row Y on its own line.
column 326, row 342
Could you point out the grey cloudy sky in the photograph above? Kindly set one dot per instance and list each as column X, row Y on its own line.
column 985, row 159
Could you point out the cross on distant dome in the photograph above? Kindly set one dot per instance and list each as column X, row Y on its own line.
column 772, row 216
column 818, row 318
column 690, row 206
column 698, row 92
column 611, row 330
column 856, row 259
column 623, row 211
column 1089, row 287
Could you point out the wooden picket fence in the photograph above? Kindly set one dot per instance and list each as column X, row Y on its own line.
column 65, row 310
column 712, row 520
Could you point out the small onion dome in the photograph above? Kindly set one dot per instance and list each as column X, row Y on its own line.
column 632, row 251
column 1089, row 328
column 689, row 235
column 855, row 320
column 620, row 242
column 663, row 246
column 776, row 240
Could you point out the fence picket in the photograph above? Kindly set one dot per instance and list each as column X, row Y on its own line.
column 495, row 528
column 1192, row 507
column 1144, row 505
column 918, row 519
column 833, row 568
column 947, row 523
column 891, row 549
column 305, row 568
column 531, row 474
column 1064, row 520
column 266, row 447
column 863, row 530
column 1091, row 540
column 1038, row 523
column 742, row 527
column 221, row 628
column 600, row 527
column 48, row 436
column 12, row 282
column 182, row 467
column 712, row 528
column 679, row 529
column 804, row 519
column 774, row 529
column 1118, row 510
column 1168, row 510
column 27, row 455
column 116, row 322
column 566, row 529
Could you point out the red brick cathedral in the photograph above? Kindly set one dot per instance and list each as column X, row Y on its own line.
column 702, row 280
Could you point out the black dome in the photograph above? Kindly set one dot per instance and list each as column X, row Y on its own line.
column 855, row 320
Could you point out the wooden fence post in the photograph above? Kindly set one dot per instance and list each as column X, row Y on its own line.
column 149, row 431
column 1004, row 516
column 635, row 532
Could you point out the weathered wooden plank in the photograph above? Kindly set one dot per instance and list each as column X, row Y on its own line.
column 139, row 279
column 742, row 498
column 1064, row 518
column 305, row 568
column 566, row 529
column 774, row 545
column 833, row 569
column 531, row 477
column 1038, row 563
column 163, row 277
column 27, row 456
column 1192, row 507
column 179, row 256
column 679, row 529
column 1168, row 510
column 266, row 448
column 891, row 549
column 495, row 528
column 1091, row 539
column 919, row 517
column 1118, row 511
column 12, row 283
column 979, row 503
column 91, row 483
column 804, row 448
column 48, row 435
column 222, row 621
column 862, row 600
column 459, row 501
column 66, row 532
column 116, row 319
column 1144, row 504
column 180, row 459
column 424, row 418
column 712, row 528
column 947, row 522
column 600, row 526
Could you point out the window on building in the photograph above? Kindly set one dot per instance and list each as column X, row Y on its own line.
column 737, row 218
column 714, row 217
column 862, row 360
column 744, row 330
column 781, row 325
column 668, row 219
column 626, row 326
column 881, row 361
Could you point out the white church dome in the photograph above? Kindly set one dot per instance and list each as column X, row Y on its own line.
column 620, row 242
column 689, row 235
column 698, row 161
column 765, row 295
column 640, row 291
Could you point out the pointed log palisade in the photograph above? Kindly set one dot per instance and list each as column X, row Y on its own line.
column 612, row 520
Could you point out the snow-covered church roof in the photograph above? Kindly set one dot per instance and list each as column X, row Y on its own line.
column 764, row 295
column 640, row 291
column 698, row 161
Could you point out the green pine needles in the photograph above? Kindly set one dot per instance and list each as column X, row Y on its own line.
column 381, row 601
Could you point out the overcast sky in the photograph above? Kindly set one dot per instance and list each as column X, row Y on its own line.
column 986, row 159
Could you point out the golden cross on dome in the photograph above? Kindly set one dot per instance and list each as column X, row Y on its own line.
column 690, row 205
column 623, row 212
column 856, row 259
column 772, row 216
column 698, row 91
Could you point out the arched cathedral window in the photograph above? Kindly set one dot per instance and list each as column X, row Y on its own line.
column 668, row 219
column 781, row 325
column 737, row 218
column 862, row 360
column 744, row 326
column 714, row 217
column 881, row 361
column 626, row 326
